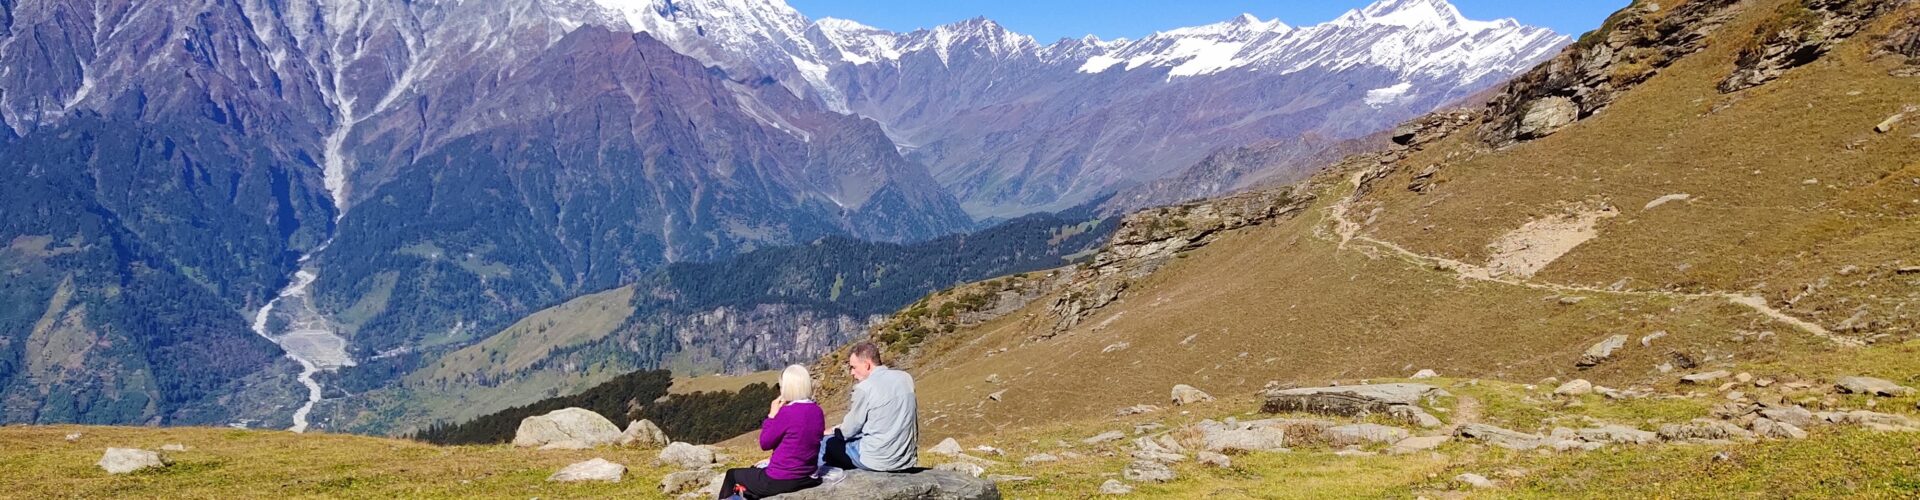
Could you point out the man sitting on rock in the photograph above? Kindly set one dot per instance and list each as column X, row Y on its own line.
column 882, row 429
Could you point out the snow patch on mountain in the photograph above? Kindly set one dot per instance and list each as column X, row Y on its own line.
column 1386, row 95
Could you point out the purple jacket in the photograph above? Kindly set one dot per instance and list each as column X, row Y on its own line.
column 794, row 437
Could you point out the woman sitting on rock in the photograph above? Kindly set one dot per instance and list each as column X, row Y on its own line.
column 792, row 431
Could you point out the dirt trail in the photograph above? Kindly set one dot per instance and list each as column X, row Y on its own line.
column 1349, row 232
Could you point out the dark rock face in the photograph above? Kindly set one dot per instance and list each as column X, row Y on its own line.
column 922, row 485
column 1799, row 34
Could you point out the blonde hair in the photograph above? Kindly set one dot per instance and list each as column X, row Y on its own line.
column 796, row 384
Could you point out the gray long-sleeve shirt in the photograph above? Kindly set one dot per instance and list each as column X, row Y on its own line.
column 885, row 419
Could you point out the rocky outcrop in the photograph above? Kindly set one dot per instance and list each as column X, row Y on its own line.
column 1631, row 47
column 1798, row 34
column 1903, row 43
column 129, row 460
column 569, row 428
column 921, row 485
column 1871, row 386
column 1150, row 238
column 1401, row 401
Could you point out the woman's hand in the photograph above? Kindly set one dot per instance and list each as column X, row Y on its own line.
column 774, row 409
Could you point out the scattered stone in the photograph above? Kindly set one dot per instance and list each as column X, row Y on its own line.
column 1354, row 452
column 1115, row 487
column 1890, row 123
column 1768, row 428
column 947, row 447
column 687, row 456
column 174, row 447
column 1417, row 444
column 1572, row 300
column 128, row 460
column 1104, row 437
column 922, row 485
column 1602, row 351
column 970, row 469
column 997, row 395
column 1704, row 430
column 1474, row 480
column 993, row 379
column 1872, row 420
column 1366, row 433
column 1618, row 434
column 1647, row 341
column 1425, row 374
column 643, row 434
column 1503, row 438
column 1214, row 459
column 1873, row 386
column 1039, row 458
column 1136, row 410
column 1667, row 199
column 1704, row 378
column 568, row 428
column 1147, row 471
column 1574, row 388
column 592, row 470
column 1795, row 415
column 683, row 482
column 1253, row 439
column 73, row 437
column 1185, row 395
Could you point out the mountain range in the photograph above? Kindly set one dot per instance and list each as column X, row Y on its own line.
column 220, row 204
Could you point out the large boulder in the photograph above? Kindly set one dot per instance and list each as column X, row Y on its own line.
column 1366, row 433
column 1148, row 471
column 686, row 481
column 643, row 434
column 1546, row 116
column 128, row 460
column 598, row 469
column 919, row 485
column 569, row 428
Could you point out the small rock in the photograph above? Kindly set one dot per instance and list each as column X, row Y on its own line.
column 993, row 379
column 970, row 469
column 997, row 395
column 682, row 482
column 1417, row 444
column 1503, row 438
column 1147, row 471
column 1214, row 459
column 687, row 456
column 1574, row 388
column 1602, row 351
column 1704, row 430
column 73, row 437
column 1647, row 341
column 1366, row 433
column 1185, row 395
column 1104, row 437
column 1039, row 458
column 1870, row 385
column 1888, row 125
column 174, row 447
column 947, row 447
column 1768, row 428
column 643, row 434
column 1136, row 410
column 128, row 460
column 592, row 470
column 1743, row 377
column 1425, row 374
column 1618, row 434
column 1703, row 378
column 1115, row 487
column 1474, row 480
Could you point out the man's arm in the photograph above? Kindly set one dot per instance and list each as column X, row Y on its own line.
column 856, row 420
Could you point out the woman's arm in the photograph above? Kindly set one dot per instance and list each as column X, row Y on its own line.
column 771, row 431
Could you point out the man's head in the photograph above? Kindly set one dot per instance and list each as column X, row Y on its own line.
column 862, row 359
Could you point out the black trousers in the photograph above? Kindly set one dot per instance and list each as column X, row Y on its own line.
column 759, row 485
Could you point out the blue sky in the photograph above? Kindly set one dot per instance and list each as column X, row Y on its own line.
column 1048, row 20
